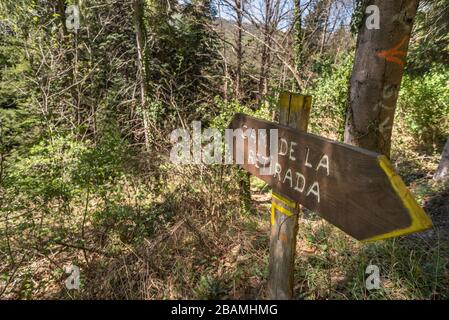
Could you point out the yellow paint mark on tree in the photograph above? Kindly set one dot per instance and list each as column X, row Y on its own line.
column 283, row 200
column 279, row 206
column 282, row 210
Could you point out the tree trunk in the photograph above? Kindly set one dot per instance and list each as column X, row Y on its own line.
column 326, row 21
column 239, row 49
column 377, row 74
column 138, row 13
column 60, row 8
column 298, row 41
column 266, row 51
column 443, row 169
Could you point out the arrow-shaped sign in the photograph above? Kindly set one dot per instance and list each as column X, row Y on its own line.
column 354, row 189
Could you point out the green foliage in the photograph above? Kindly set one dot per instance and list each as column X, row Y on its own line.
column 130, row 224
column 330, row 93
column 62, row 166
column 424, row 105
column 209, row 287
column 358, row 16
column 102, row 164
column 46, row 170
column 74, row 187
column 430, row 43
column 227, row 110
column 19, row 117
column 183, row 58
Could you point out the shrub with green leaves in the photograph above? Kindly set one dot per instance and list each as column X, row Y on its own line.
column 227, row 110
column 46, row 170
column 424, row 105
column 103, row 163
column 62, row 167
column 330, row 95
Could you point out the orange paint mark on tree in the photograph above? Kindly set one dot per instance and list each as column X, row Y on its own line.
column 392, row 54
column 283, row 237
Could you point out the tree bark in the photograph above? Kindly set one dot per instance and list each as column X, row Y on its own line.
column 298, row 41
column 266, row 51
column 239, row 49
column 443, row 168
column 326, row 21
column 60, row 8
column 377, row 74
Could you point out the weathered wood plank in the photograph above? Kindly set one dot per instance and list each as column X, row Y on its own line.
column 294, row 112
column 354, row 189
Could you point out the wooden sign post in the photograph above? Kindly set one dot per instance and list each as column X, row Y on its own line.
column 354, row 189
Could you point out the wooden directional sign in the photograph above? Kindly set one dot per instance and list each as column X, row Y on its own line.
column 354, row 189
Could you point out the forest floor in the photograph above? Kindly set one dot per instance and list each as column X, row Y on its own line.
column 210, row 249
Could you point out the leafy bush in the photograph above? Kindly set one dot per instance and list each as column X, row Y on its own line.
column 330, row 94
column 424, row 105
column 46, row 170
column 100, row 165
column 227, row 110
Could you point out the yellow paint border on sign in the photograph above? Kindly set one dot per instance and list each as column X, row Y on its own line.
column 420, row 220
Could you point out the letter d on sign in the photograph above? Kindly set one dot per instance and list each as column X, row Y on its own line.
column 373, row 280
